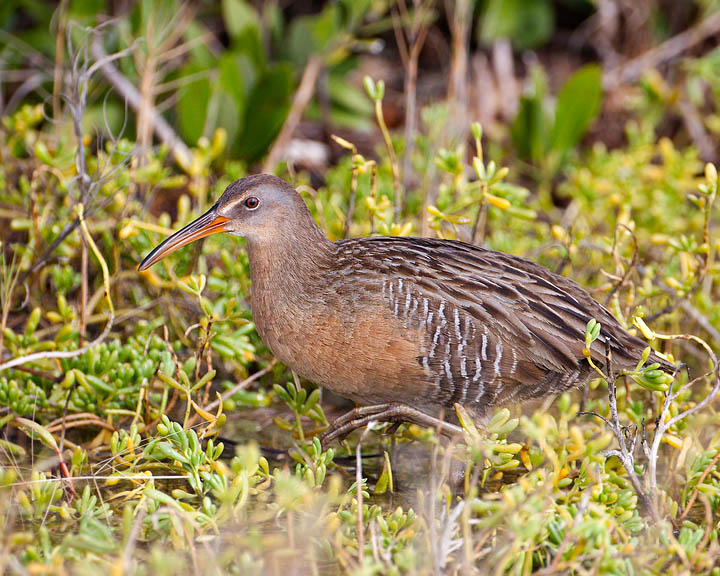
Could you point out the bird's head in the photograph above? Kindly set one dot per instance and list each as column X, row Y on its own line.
column 257, row 208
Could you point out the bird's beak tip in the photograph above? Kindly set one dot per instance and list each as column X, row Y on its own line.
column 206, row 225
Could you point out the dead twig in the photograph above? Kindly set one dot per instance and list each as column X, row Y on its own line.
column 672, row 48
column 81, row 73
column 696, row 129
column 459, row 17
column 410, row 34
column 626, row 439
column 58, row 72
column 302, row 98
column 125, row 88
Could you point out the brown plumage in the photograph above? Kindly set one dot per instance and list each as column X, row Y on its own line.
column 415, row 321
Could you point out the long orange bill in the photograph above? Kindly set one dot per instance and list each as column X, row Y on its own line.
column 209, row 223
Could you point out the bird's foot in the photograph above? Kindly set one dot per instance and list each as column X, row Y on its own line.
column 393, row 412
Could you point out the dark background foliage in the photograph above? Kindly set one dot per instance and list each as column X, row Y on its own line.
column 144, row 427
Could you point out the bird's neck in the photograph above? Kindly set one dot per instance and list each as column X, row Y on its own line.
column 289, row 275
column 290, row 264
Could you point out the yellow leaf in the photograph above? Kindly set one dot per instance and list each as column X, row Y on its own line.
column 674, row 441
column 466, row 422
column 558, row 232
column 644, row 328
column 525, row 458
column 672, row 282
column 203, row 413
column 502, row 203
column 344, row 143
column 126, row 231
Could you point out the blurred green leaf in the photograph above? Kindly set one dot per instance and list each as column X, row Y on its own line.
column 238, row 16
column 529, row 131
column 267, row 107
column 528, row 23
column 578, row 103
column 192, row 105
column 85, row 8
column 310, row 34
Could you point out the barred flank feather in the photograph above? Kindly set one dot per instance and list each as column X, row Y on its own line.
column 497, row 327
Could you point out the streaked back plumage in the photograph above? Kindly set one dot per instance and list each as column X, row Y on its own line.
column 497, row 327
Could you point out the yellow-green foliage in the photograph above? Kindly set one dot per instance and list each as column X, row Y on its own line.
column 157, row 491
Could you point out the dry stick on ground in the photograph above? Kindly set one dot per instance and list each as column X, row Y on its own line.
column 81, row 424
column 459, row 16
column 672, row 48
column 410, row 34
column 125, row 88
column 302, row 98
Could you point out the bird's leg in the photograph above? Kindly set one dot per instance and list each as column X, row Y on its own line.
column 345, row 424
column 356, row 413
column 392, row 412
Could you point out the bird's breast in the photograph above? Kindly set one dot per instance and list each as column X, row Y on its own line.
column 351, row 346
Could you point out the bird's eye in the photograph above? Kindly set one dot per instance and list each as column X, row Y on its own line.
column 251, row 202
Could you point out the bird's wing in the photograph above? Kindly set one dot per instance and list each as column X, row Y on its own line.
column 490, row 318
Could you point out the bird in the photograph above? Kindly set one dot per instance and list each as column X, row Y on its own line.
column 407, row 328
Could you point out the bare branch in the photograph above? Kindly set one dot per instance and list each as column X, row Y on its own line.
column 302, row 98
column 37, row 356
column 125, row 88
column 672, row 48
column 701, row 320
column 626, row 442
